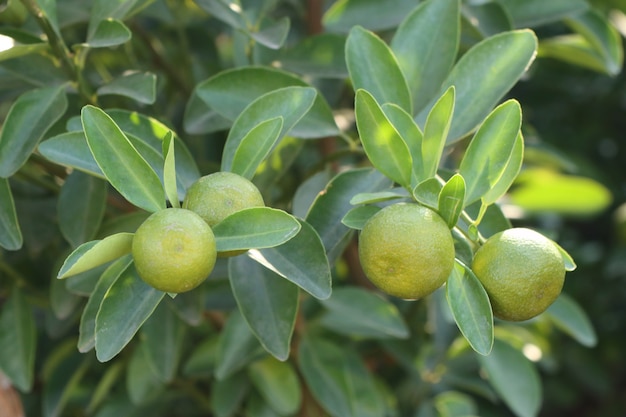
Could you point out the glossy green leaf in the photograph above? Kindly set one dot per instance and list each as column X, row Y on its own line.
column 451, row 199
column 568, row 316
column 379, row 196
column 289, row 103
column 573, row 49
column 268, row 302
column 486, row 158
column 95, row 253
column 140, row 86
column 233, row 16
column 119, row 160
column 10, row 232
column 163, row 337
column 255, row 146
column 237, row 346
column 142, row 382
column 370, row 61
column 81, row 207
column 199, row 118
column 470, row 307
column 87, row 328
column 383, row 145
column 254, row 228
column 227, row 394
column 426, row 45
column 435, row 134
column 169, row 170
column 308, row 191
column 338, row 379
column 358, row 216
column 372, row 14
column 483, row 75
column 568, row 261
column 319, row 55
column 301, row 260
column 118, row 9
column 486, row 19
column 18, row 341
column 230, row 92
column 512, row 169
column 359, row 312
column 109, row 32
column 514, row 378
column 126, row 306
column 530, row 13
column 29, row 118
column 427, row 192
column 278, row 384
column 71, row 149
column 331, row 205
column 272, row 35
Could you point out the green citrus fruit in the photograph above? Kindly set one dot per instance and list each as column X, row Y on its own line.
column 406, row 250
column 216, row 196
column 174, row 250
column 522, row 271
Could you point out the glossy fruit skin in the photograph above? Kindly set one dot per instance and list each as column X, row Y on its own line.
column 216, row 196
column 406, row 250
column 522, row 271
column 174, row 250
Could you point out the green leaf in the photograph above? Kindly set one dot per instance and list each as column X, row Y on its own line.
column 254, row 228
column 486, row 158
column 71, row 149
column 278, row 384
column 486, row 19
column 17, row 51
column 119, row 9
column 301, row 260
column 383, row 145
column 435, row 134
column 379, row 196
column 268, row 302
column 308, row 191
column 87, row 328
column 63, row 303
column 227, row 394
column 255, row 146
column 470, row 307
column 358, row 216
column 29, row 118
column 169, row 170
column 290, row 103
column 512, row 169
column 230, row 92
column 530, row 13
column 338, row 379
column 237, row 346
column 426, row 45
column 373, row 67
column 522, row 393
column 455, row 404
column 570, row 265
column 95, row 253
column 568, row 316
column 359, row 312
column 319, row 55
column 163, row 337
column 81, row 207
column 199, row 118
column 142, row 382
column 109, row 32
column 119, row 160
column 451, row 197
column 126, row 306
column 18, row 341
column 427, row 192
column 220, row 9
column 10, row 233
column 140, row 86
column 272, row 35
column 483, row 75
column 372, row 14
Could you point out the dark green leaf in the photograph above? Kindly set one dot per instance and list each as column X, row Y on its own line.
column 278, row 384
column 268, row 302
column 358, row 216
column 29, row 118
column 20, row 50
column 95, row 253
column 228, row 394
column 455, row 404
column 451, row 199
column 142, row 382
column 63, row 303
column 487, row 19
column 237, row 346
column 123, row 166
column 374, row 68
column 568, row 316
column 470, row 307
column 530, row 13
column 320, row 55
column 372, row 14
column 202, row 360
column 233, row 16
column 10, row 233
column 255, row 146
column 119, row 9
column 109, row 32
column 140, row 86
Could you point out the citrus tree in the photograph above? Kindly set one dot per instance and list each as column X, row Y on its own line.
column 279, row 208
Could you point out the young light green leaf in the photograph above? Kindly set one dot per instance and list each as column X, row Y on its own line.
column 109, row 32
column 255, row 146
column 301, row 260
column 426, row 45
column 125, row 307
column 523, row 392
column 268, row 302
column 95, row 253
column 120, row 161
column 10, row 232
column 451, row 197
column 435, row 134
column 290, row 103
column 384, row 147
column 513, row 167
column 379, row 196
column 254, row 228
column 470, row 307
column 486, row 158
column 358, row 312
column 237, row 346
column 568, row 316
column 358, row 216
column 18, row 341
column 369, row 62
column 427, row 193
column 140, row 86
column 570, row 265
column 169, row 170
column 278, row 384
column 29, row 118
column 483, row 75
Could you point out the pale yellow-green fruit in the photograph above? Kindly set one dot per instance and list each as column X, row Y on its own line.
column 174, row 250
column 406, row 250
column 522, row 271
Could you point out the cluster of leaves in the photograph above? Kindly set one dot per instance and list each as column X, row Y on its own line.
column 283, row 329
